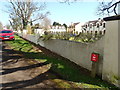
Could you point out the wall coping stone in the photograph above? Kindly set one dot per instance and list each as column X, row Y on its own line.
column 111, row 18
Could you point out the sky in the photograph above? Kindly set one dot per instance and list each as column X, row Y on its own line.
column 75, row 12
column 62, row 12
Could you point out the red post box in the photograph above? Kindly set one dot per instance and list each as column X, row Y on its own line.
column 94, row 57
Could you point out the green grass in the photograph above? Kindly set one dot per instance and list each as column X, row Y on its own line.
column 63, row 67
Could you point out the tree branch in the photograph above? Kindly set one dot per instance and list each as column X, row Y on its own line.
column 109, row 6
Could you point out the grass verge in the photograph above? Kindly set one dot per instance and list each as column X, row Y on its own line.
column 63, row 67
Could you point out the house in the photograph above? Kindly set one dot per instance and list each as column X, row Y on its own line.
column 71, row 28
column 95, row 25
column 57, row 28
column 75, row 27
column 78, row 27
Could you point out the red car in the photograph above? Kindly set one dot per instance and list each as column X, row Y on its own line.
column 7, row 35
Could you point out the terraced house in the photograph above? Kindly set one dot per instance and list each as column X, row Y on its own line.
column 90, row 26
column 94, row 26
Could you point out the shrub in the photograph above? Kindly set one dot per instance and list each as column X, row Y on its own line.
column 81, row 37
column 47, row 37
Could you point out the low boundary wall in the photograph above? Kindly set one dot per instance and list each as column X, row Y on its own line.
column 79, row 53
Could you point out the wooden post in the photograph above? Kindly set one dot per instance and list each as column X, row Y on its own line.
column 94, row 59
column 94, row 68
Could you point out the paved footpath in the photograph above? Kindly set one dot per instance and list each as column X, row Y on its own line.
column 18, row 72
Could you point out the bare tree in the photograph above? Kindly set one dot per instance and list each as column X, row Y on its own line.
column 25, row 12
column 108, row 7
column 7, row 26
column 15, row 22
column 68, row 1
column 46, row 23
column 104, row 8
column 1, row 26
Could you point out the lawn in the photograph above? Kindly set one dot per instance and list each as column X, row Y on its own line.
column 62, row 66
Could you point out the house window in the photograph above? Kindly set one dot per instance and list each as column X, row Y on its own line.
column 91, row 32
column 95, row 33
column 97, row 25
column 104, row 25
column 100, row 32
column 90, row 25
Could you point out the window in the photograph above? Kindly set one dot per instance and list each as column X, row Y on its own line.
column 90, row 25
column 104, row 25
column 100, row 32
column 97, row 25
